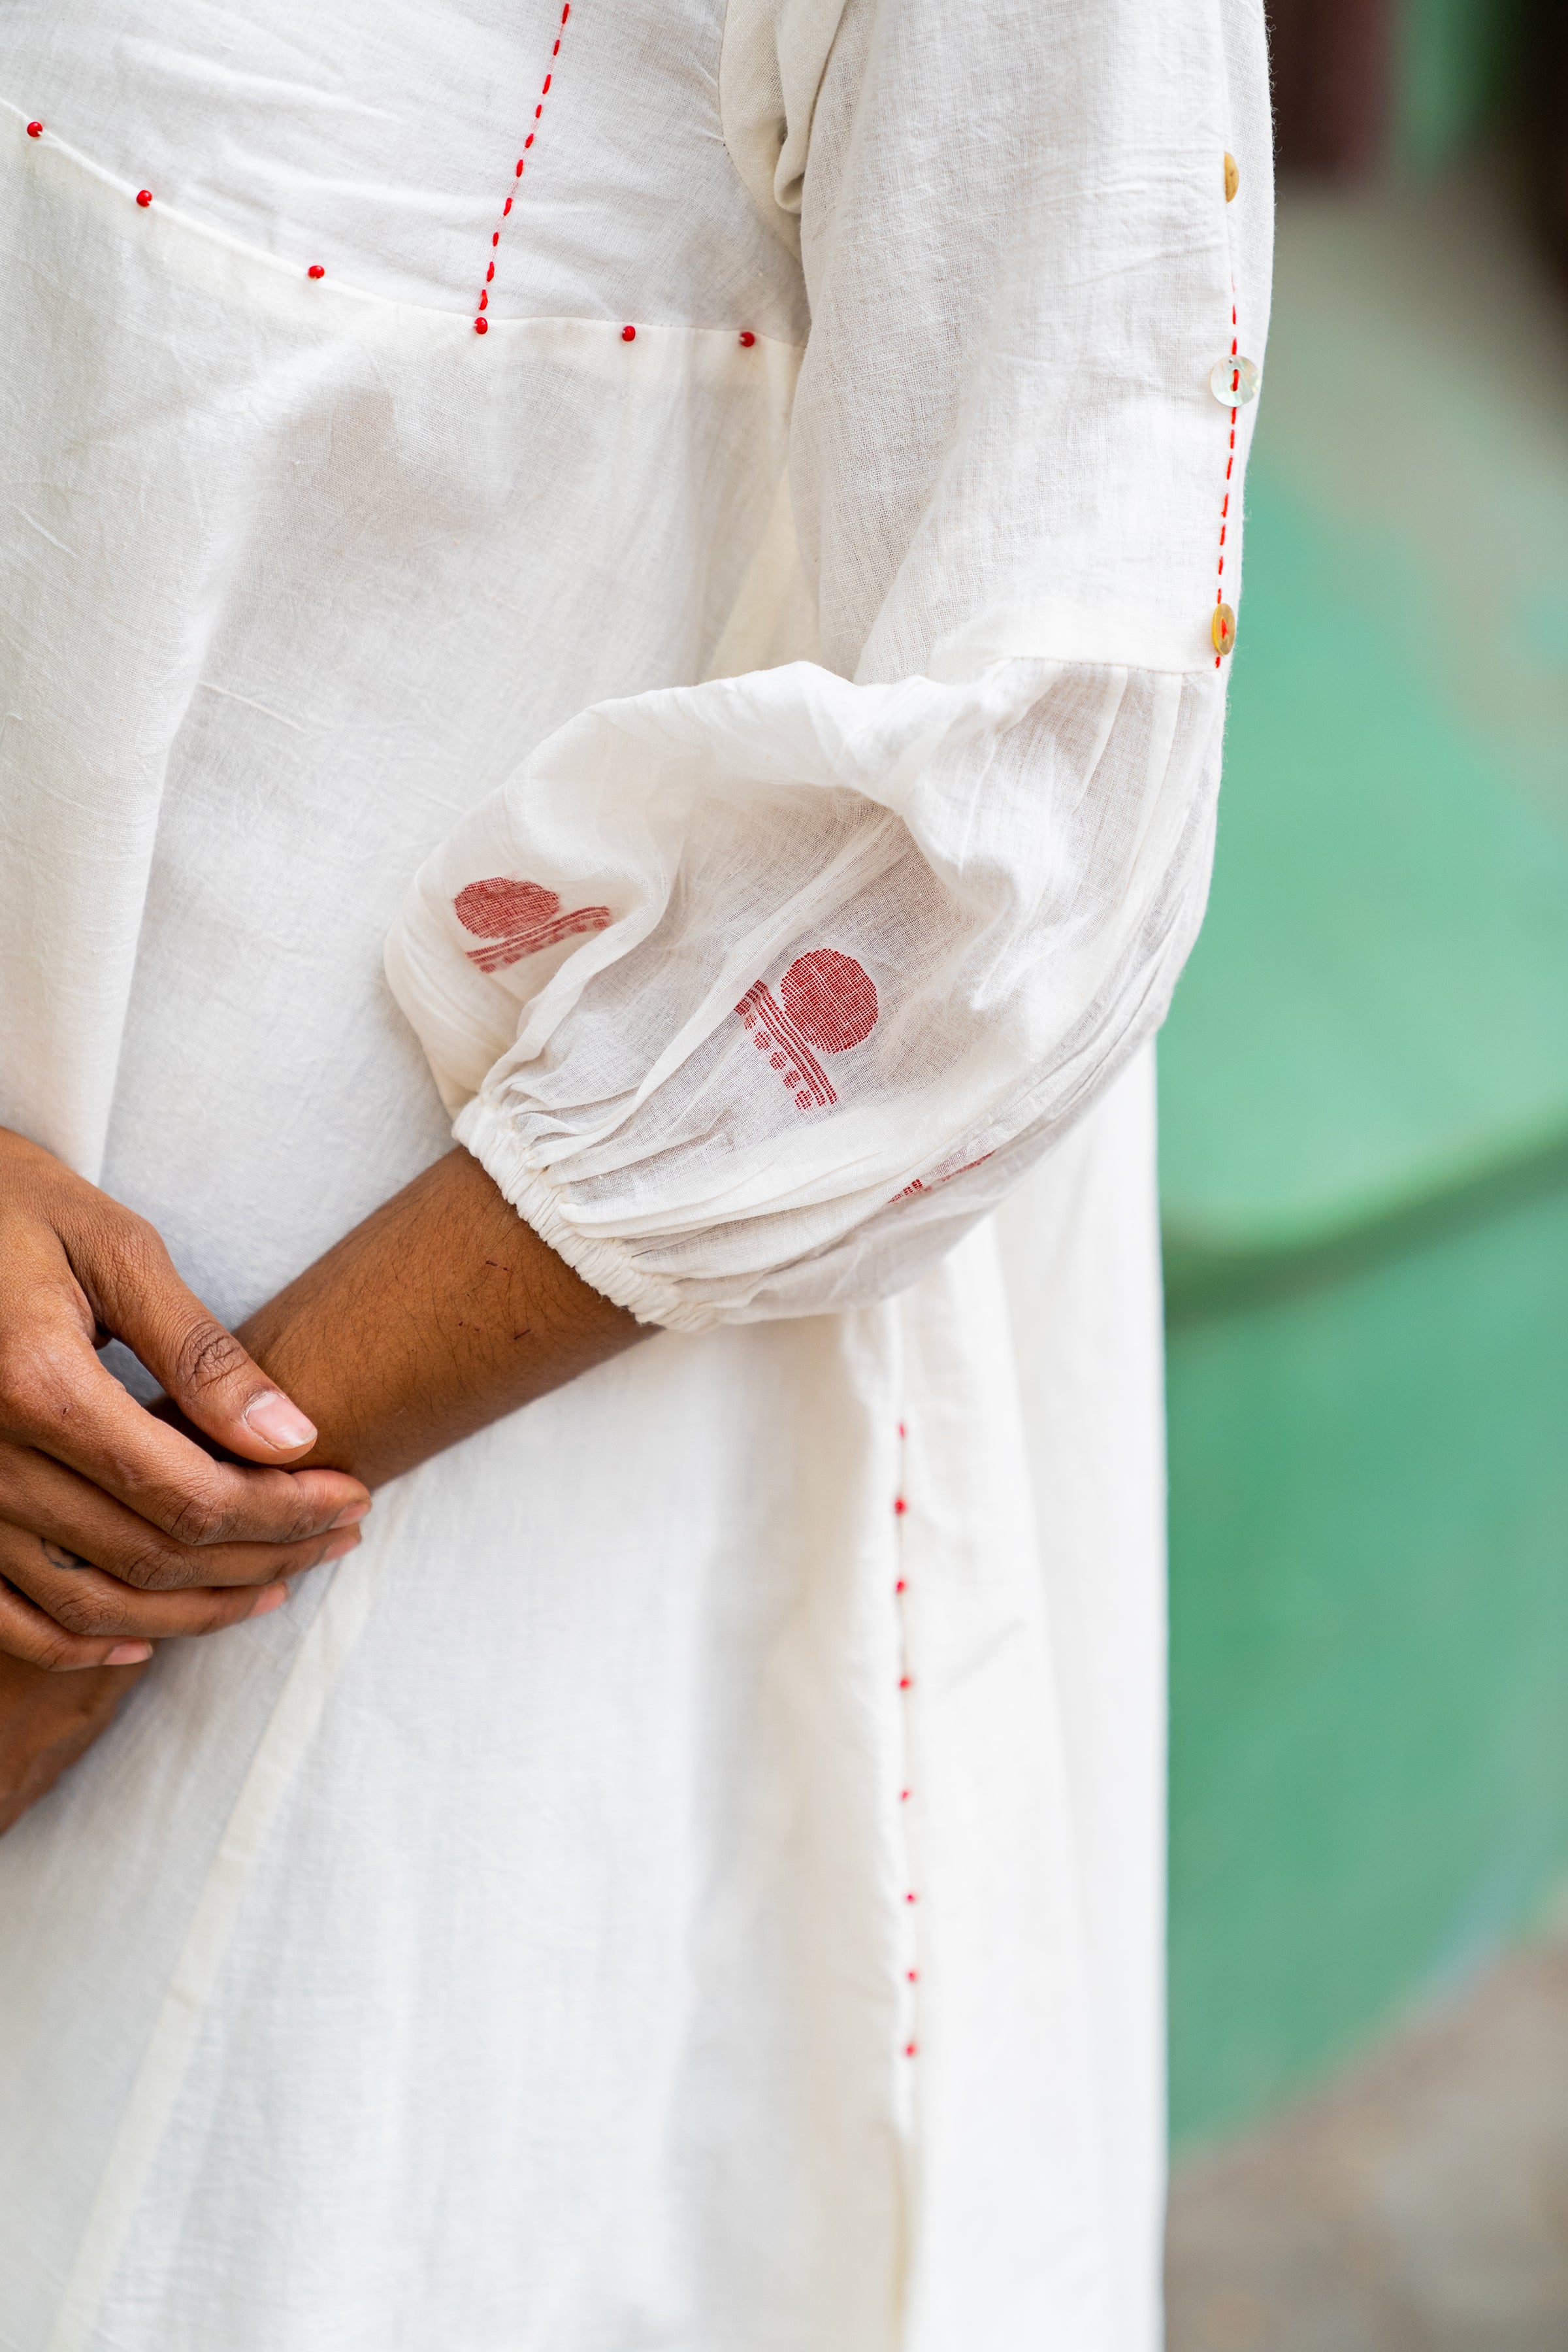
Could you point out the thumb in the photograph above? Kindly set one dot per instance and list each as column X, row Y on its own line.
column 138, row 1296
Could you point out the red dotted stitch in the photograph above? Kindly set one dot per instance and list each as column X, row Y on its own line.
column 315, row 270
column 482, row 326
column 747, row 339
column 479, row 326
column 629, row 335
column 1225, row 511
column 906, row 1682
column 144, row 197
column 35, row 130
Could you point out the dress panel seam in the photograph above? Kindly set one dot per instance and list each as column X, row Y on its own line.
column 481, row 324
column 278, row 267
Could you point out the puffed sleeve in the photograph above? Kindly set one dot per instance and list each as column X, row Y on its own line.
column 752, row 995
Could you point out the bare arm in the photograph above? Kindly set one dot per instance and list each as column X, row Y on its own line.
column 437, row 1315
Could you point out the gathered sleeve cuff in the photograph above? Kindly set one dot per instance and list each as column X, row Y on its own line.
column 752, row 994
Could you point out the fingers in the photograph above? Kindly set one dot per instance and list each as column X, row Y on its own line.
column 25, row 1633
column 46, row 1721
column 79, row 1617
column 130, row 1278
column 58, row 1401
column 55, row 1503
column 80, row 1601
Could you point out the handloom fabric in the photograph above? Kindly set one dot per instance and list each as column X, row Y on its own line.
column 695, row 536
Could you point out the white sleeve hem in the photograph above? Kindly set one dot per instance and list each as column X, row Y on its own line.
column 606, row 1266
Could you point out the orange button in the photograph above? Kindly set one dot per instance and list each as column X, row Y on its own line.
column 1222, row 629
column 1232, row 178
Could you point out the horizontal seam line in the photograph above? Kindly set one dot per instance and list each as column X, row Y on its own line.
column 331, row 286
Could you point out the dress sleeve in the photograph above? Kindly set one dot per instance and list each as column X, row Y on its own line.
column 752, row 995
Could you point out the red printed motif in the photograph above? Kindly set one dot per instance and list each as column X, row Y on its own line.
column 518, row 918
column 825, row 1000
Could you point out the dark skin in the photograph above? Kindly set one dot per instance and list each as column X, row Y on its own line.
column 121, row 1527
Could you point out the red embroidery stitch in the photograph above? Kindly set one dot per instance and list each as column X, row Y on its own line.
column 942, row 1176
column 1230, row 461
column 629, row 335
column 35, row 130
column 518, row 918
column 144, row 197
column 747, row 339
column 315, row 270
column 909, row 2048
column 495, row 239
column 825, row 1000
column 906, row 1681
column 482, row 326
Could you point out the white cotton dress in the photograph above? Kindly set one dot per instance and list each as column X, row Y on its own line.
column 640, row 578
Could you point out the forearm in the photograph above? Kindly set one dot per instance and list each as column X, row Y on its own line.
column 436, row 1316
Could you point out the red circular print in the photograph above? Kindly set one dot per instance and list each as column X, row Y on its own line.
column 831, row 999
column 489, row 907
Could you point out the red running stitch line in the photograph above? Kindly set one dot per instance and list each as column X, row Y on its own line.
column 481, row 324
column 1229, row 464
column 906, row 1682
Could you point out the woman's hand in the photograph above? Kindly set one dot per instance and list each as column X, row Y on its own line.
column 46, row 1721
column 115, row 1528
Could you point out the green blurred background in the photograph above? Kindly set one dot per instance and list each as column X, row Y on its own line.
column 1364, row 1084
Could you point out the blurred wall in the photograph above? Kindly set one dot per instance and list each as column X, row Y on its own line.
column 1364, row 1096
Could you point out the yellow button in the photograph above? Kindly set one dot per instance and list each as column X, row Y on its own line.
column 1232, row 178
column 1222, row 629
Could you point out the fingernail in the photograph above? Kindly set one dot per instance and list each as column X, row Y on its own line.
column 129, row 1653
column 339, row 1546
column 277, row 1422
column 273, row 1598
column 351, row 1517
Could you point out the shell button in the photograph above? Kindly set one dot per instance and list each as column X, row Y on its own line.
column 1222, row 629
column 1232, row 178
column 1234, row 382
